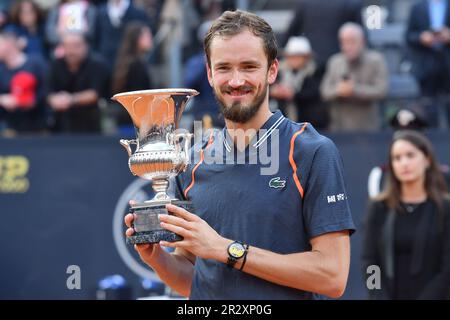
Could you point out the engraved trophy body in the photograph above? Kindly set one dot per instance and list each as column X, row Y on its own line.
column 161, row 153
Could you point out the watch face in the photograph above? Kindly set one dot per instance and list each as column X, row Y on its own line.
column 236, row 250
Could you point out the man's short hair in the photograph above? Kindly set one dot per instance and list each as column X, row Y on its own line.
column 352, row 26
column 77, row 33
column 231, row 23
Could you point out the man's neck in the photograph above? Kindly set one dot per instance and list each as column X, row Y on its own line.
column 357, row 59
column 74, row 66
column 253, row 125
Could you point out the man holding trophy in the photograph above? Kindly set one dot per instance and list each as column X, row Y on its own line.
column 240, row 233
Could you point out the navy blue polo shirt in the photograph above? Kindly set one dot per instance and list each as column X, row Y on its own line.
column 300, row 195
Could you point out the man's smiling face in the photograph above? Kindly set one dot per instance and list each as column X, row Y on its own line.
column 239, row 74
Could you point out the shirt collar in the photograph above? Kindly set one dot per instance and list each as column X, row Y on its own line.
column 263, row 134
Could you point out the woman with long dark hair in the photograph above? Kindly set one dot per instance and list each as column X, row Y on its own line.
column 407, row 227
column 131, row 71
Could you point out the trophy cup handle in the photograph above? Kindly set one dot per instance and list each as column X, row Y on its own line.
column 126, row 145
column 187, row 139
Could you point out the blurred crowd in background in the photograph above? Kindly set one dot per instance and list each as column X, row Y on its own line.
column 345, row 65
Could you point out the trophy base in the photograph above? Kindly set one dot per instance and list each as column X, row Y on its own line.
column 147, row 225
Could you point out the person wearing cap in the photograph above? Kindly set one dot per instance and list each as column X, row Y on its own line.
column 21, row 86
column 297, row 91
column 355, row 80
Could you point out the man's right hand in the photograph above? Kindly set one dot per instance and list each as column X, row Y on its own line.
column 146, row 251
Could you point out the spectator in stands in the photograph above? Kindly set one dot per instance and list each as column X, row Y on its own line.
column 203, row 107
column 132, row 70
column 407, row 227
column 428, row 35
column 319, row 21
column 76, row 83
column 27, row 21
column 297, row 89
column 73, row 16
column 112, row 19
column 21, row 86
column 355, row 80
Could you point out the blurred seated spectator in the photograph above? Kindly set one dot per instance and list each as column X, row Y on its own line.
column 132, row 70
column 27, row 21
column 428, row 36
column 297, row 88
column 72, row 16
column 319, row 21
column 203, row 107
column 21, row 87
column 76, row 83
column 112, row 18
column 355, row 80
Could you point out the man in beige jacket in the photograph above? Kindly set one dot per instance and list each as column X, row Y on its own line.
column 355, row 80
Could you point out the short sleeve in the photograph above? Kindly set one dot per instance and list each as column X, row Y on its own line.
column 325, row 204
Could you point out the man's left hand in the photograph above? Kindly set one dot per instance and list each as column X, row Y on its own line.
column 198, row 237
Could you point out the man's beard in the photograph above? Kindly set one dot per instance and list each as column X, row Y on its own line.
column 239, row 112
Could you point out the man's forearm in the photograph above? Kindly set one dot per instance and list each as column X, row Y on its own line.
column 175, row 270
column 312, row 271
column 86, row 97
column 307, row 271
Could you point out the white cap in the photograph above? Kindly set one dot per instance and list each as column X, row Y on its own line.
column 297, row 46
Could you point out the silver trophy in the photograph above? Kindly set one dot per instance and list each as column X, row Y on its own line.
column 161, row 153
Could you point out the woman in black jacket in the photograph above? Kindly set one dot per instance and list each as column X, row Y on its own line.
column 407, row 227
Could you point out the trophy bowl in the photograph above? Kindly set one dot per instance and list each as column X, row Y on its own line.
column 161, row 153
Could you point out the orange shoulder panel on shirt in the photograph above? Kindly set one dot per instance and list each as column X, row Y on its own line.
column 292, row 162
column 202, row 157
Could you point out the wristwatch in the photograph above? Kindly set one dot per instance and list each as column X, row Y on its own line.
column 236, row 250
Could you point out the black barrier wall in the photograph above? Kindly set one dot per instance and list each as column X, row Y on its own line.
column 62, row 201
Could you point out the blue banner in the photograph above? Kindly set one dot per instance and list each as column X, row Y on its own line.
column 62, row 202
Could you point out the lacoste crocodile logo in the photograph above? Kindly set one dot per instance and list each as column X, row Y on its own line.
column 277, row 183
